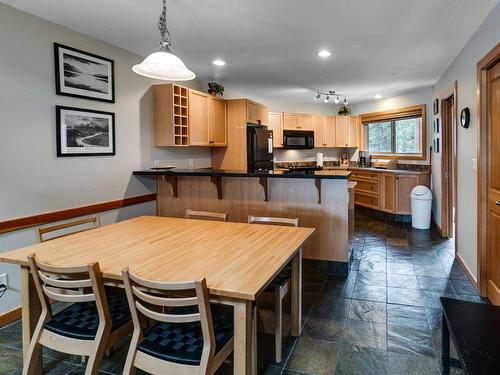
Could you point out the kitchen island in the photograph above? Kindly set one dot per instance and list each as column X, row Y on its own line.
column 320, row 199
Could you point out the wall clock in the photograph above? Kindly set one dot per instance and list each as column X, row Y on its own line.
column 465, row 117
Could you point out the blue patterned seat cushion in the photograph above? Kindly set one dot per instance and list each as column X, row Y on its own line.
column 183, row 342
column 80, row 320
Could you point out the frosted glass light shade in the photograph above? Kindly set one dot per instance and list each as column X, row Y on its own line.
column 165, row 66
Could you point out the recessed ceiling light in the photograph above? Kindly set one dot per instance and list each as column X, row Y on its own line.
column 378, row 96
column 324, row 53
column 219, row 62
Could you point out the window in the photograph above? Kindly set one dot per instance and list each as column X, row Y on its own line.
column 398, row 134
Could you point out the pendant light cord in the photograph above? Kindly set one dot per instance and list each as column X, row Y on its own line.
column 166, row 40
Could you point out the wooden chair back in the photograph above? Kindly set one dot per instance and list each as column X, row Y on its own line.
column 69, row 284
column 93, row 220
column 155, row 299
column 205, row 215
column 273, row 220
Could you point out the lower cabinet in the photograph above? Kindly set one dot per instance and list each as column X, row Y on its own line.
column 386, row 191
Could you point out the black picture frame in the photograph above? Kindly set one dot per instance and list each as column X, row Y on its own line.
column 63, row 150
column 76, row 89
column 436, row 145
column 435, row 106
column 436, row 125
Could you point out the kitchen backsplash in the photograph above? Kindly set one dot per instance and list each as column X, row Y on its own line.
column 336, row 163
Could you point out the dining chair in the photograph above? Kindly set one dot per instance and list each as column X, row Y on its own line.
column 190, row 336
column 205, row 215
column 93, row 220
column 91, row 324
column 280, row 285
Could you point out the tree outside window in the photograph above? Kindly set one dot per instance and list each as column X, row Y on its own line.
column 398, row 136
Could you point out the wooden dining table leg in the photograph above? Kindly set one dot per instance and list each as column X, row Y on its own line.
column 296, row 291
column 31, row 310
column 245, row 357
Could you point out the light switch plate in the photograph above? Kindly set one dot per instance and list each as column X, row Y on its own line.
column 474, row 165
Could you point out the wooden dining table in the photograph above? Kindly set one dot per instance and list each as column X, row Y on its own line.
column 238, row 261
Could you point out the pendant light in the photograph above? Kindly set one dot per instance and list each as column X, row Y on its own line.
column 164, row 64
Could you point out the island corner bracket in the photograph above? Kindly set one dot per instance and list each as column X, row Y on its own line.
column 172, row 180
column 217, row 181
column 317, row 183
column 263, row 182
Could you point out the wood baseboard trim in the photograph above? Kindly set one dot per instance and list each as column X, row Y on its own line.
column 11, row 225
column 466, row 270
column 10, row 316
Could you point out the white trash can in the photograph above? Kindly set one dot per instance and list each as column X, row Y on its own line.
column 421, row 204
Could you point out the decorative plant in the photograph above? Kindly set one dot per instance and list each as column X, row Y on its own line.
column 344, row 110
column 215, row 89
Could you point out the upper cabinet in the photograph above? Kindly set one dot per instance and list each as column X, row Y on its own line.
column 186, row 117
column 298, row 121
column 276, row 125
column 218, row 122
column 199, row 118
column 353, row 131
column 324, row 131
column 257, row 113
column 341, row 131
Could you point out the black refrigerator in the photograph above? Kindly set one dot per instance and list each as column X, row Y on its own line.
column 259, row 149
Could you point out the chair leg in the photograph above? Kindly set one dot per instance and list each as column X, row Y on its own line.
column 94, row 361
column 32, row 357
column 129, row 368
column 278, row 324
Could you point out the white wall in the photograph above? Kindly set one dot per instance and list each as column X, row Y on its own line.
column 463, row 70
column 32, row 178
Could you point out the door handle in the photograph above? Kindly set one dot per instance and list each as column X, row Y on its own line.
column 497, row 203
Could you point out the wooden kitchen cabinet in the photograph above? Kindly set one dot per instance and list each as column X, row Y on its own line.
column 305, row 122
column 276, row 125
column 257, row 113
column 404, row 185
column 170, row 115
column 199, row 118
column 298, row 121
column 388, row 192
column 218, row 122
column 353, row 131
column 341, row 131
column 324, row 131
column 290, row 121
column 185, row 117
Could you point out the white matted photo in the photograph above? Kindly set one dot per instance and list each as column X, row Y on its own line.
column 83, row 75
column 84, row 132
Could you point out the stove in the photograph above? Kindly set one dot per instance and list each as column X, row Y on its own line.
column 294, row 169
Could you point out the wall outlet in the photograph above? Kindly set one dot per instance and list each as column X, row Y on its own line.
column 4, row 279
column 474, row 165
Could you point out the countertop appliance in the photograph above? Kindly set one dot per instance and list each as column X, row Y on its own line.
column 364, row 160
column 385, row 164
column 298, row 139
column 303, row 169
column 259, row 149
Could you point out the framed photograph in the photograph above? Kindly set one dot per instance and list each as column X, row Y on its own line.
column 83, row 75
column 84, row 132
column 436, row 106
column 436, row 125
column 436, row 145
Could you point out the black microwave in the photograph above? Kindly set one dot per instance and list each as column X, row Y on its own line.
column 298, row 139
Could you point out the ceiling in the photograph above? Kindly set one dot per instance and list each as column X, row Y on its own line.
column 270, row 47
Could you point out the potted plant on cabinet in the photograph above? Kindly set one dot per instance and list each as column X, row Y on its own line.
column 344, row 111
column 215, row 89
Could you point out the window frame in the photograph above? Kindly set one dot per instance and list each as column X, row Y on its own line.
column 392, row 116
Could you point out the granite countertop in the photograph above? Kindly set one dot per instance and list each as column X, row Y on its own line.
column 371, row 169
column 277, row 173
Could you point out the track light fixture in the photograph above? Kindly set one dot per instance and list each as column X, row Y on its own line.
column 329, row 94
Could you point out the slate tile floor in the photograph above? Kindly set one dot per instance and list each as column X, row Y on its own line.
column 383, row 319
